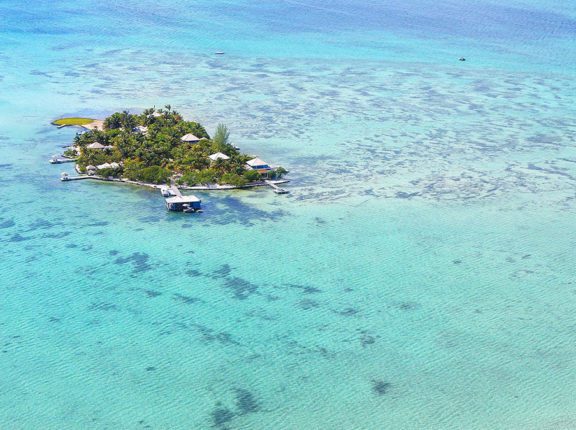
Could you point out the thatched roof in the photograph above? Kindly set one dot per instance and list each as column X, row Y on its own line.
column 219, row 156
column 190, row 138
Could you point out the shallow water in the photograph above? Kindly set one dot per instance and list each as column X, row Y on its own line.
column 419, row 275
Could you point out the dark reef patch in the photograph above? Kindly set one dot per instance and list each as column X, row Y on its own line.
column 7, row 223
column 102, row 306
column 306, row 289
column 307, row 304
column 149, row 219
column 18, row 238
column 230, row 210
column 241, row 288
column 221, row 416
column 367, row 339
column 408, row 306
column 40, row 224
column 193, row 273
column 222, row 272
column 56, row 235
column 246, row 402
column 152, row 293
column 347, row 312
column 210, row 335
column 98, row 224
column 185, row 299
column 139, row 261
column 380, row 387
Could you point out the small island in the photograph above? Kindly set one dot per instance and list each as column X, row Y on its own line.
column 160, row 147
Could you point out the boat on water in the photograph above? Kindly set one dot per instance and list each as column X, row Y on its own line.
column 165, row 191
column 59, row 159
column 190, row 209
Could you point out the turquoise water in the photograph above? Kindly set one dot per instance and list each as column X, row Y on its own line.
column 419, row 275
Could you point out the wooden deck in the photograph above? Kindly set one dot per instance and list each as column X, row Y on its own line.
column 175, row 191
column 276, row 188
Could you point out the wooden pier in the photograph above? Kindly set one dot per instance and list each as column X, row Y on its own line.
column 175, row 191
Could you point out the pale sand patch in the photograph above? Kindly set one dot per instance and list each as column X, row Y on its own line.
column 97, row 124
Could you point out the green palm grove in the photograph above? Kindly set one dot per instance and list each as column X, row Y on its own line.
column 157, row 154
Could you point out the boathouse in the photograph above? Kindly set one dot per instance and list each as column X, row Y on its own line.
column 190, row 138
column 182, row 203
column 259, row 165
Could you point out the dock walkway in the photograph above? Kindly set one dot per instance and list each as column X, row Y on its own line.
column 175, row 191
column 276, row 188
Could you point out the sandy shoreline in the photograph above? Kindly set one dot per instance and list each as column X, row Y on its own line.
column 211, row 187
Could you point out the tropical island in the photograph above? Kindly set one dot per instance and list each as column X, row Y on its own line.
column 160, row 147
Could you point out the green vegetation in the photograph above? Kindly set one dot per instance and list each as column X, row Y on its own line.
column 72, row 121
column 148, row 148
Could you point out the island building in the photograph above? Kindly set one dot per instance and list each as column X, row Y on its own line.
column 183, row 203
column 259, row 165
column 190, row 138
column 218, row 156
column 112, row 165
column 98, row 145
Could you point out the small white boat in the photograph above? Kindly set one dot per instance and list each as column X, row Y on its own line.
column 165, row 191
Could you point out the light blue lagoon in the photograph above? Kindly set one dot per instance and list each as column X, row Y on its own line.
column 420, row 275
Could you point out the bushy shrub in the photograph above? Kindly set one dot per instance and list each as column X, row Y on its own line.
column 188, row 179
column 105, row 173
column 152, row 174
column 251, row 175
column 233, row 179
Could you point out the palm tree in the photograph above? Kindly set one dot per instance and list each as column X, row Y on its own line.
column 221, row 137
column 148, row 116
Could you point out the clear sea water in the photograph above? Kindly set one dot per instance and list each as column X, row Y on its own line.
column 420, row 275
